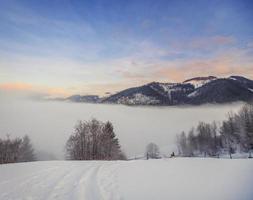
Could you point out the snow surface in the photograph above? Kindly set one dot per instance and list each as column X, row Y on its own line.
column 200, row 83
column 169, row 88
column 177, row 179
column 233, row 78
column 138, row 99
column 193, row 94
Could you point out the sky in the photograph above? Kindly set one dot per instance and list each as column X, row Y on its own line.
column 65, row 47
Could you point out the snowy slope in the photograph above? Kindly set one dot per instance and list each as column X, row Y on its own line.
column 195, row 91
column 179, row 178
column 152, row 94
column 200, row 81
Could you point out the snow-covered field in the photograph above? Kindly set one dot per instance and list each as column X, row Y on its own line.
column 179, row 178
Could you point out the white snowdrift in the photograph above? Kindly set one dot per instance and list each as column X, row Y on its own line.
column 179, row 178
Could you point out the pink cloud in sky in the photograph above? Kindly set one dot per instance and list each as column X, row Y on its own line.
column 231, row 63
column 137, row 70
column 30, row 88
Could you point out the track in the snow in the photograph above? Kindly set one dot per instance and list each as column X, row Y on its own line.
column 60, row 180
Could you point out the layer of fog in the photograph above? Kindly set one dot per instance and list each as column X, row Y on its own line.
column 49, row 124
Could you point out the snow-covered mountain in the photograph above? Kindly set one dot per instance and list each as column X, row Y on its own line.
column 194, row 91
column 153, row 94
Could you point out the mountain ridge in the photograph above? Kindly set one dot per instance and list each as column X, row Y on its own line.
column 194, row 91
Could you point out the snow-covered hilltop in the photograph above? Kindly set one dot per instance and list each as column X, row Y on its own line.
column 195, row 91
column 200, row 81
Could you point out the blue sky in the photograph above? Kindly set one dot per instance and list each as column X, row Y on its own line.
column 66, row 47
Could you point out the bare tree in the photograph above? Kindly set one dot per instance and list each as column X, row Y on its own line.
column 182, row 144
column 26, row 152
column 93, row 140
column 245, row 118
column 230, row 134
column 16, row 150
column 204, row 138
column 152, row 151
column 192, row 143
column 216, row 142
column 235, row 134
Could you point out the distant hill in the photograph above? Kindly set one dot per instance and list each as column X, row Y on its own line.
column 85, row 98
column 199, row 90
column 195, row 91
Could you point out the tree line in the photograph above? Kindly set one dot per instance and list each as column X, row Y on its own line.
column 16, row 150
column 94, row 140
column 235, row 134
column 91, row 140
